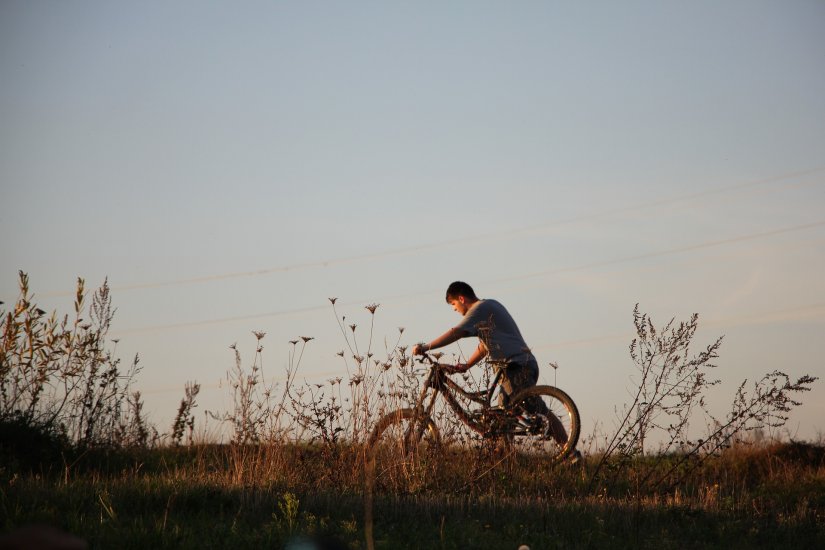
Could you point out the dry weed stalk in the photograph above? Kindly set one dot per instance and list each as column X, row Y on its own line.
column 62, row 376
column 256, row 415
column 185, row 419
column 671, row 388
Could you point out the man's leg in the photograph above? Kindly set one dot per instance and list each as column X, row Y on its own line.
column 518, row 377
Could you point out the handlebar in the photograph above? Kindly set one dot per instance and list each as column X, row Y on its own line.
column 426, row 357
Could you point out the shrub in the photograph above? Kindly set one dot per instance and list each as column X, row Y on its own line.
column 61, row 376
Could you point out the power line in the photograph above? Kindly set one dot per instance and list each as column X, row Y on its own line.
column 459, row 241
column 556, row 271
column 765, row 317
column 667, row 252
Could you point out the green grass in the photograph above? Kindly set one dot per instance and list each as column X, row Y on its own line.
column 195, row 498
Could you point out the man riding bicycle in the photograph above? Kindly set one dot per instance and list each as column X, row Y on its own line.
column 500, row 341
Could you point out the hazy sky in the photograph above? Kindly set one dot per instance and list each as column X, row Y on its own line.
column 231, row 165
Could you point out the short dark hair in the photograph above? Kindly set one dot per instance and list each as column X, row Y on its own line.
column 460, row 288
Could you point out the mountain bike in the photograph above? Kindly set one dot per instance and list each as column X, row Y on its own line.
column 539, row 421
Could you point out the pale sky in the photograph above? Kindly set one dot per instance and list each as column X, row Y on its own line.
column 231, row 165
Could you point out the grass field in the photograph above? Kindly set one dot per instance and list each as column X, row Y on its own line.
column 201, row 497
column 77, row 454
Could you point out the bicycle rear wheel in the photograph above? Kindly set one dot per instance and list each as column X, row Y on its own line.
column 548, row 423
column 402, row 451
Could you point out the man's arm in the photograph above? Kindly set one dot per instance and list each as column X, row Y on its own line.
column 445, row 339
column 479, row 354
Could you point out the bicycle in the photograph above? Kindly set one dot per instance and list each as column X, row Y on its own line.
column 540, row 420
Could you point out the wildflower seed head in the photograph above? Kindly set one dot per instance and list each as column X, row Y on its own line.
column 353, row 327
column 293, row 342
column 372, row 307
column 307, row 338
column 400, row 330
column 259, row 335
column 340, row 353
column 333, row 300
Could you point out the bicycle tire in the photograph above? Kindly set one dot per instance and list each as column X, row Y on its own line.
column 538, row 434
column 399, row 463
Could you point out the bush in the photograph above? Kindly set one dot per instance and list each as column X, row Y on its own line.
column 30, row 447
column 62, row 376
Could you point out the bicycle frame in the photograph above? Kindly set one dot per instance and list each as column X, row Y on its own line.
column 440, row 383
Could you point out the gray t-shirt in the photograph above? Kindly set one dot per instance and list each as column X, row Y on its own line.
column 493, row 325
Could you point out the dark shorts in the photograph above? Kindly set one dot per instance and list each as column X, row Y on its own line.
column 516, row 377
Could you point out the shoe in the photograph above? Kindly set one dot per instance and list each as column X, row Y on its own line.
column 534, row 424
column 526, row 420
column 575, row 458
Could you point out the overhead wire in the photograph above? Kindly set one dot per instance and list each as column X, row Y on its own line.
column 548, row 272
column 764, row 317
column 815, row 310
column 499, row 235
column 659, row 253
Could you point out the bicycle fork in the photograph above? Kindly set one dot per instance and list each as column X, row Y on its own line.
column 415, row 431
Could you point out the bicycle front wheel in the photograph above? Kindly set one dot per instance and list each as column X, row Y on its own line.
column 402, row 452
column 548, row 423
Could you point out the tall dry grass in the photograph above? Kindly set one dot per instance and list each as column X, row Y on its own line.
column 63, row 388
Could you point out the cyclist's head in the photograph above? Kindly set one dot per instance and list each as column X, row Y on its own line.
column 459, row 288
